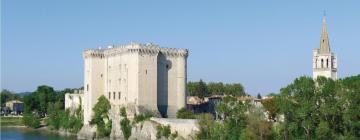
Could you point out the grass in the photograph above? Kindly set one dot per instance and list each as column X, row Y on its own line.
column 11, row 121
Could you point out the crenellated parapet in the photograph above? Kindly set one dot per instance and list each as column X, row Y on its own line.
column 142, row 49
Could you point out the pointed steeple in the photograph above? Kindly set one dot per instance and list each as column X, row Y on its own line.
column 324, row 40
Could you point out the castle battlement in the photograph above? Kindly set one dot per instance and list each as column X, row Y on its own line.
column 148, row 48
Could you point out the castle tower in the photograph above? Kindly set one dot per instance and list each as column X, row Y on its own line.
column 324, row 61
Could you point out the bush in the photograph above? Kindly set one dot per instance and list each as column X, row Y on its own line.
column 31, row 120
column 142, row 117
column 183, row 113
column 125, row 124
column 163, row 131
column 101, row 118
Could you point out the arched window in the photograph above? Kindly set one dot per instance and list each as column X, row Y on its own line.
column 316, row 63
column 119, row 95
column 327, row 63
column 322, row 63
column 114, row 95
column 109, row 95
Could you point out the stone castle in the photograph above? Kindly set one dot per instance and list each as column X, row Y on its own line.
column 324, row 61
column 145, row 77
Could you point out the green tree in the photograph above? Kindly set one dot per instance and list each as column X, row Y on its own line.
column 101, row 118
column 323, row 131
column 125, row 124
column 31, row 120
column 201, row 90
column 7, row 95
column 271, row 108
column 258, row 128
column 215, row 88
column 53, row 111
column 349, row 89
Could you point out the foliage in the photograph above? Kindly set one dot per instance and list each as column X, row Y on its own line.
column 305, row 109
column 174, row 135
column 7, row 95
column 258, row 128
column 271, row 108
column 54, row 120
column 31, row 120
column 321, row 109
column 42, row 96
column 58, row 118
column 202, row 89
column 163, row 131
column 142, row 117
column 101, row 118
column 183, row 113
column 125, row 123
column 232, row 120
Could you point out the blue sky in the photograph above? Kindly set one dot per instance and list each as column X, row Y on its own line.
column 261, row 44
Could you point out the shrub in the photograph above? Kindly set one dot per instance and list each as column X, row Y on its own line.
column 31, row 120
column 125, row 124
column 183, row 113
column 163, row 131
column 101, row 118
column 142, row 117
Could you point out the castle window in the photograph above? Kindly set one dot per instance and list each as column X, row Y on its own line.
column 322, row 63
column 109, row 95
column 119, row 95
column 114, row 95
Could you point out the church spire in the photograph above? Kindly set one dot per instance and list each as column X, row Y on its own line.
column 324, row 41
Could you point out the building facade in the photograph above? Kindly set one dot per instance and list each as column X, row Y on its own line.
column 324, row 61
column 145, row 76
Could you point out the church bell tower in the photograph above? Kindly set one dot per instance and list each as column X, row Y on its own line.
column 324, row 61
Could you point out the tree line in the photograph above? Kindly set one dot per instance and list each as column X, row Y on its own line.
column 202, row 89
column 305, row 109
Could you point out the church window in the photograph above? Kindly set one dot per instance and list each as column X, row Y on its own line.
column 114, row 95
column 101, row 75
column 322, row 63
column 87, row 87
column 119, row 95
column 327, row 63
column 145, row 71
column 109, row 95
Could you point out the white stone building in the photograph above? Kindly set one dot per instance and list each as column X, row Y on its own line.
column 324, row 61
column 74, row 100
column 143, row 76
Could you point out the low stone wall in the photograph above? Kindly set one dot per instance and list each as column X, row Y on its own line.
column 185, row 127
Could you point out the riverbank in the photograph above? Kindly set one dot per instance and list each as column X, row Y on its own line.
column 22, row 132
column 11, row 121
column 17, row 123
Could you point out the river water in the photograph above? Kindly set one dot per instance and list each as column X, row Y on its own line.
column 19, row 133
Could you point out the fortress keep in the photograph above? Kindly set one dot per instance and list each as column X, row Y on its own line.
column 144, row 76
